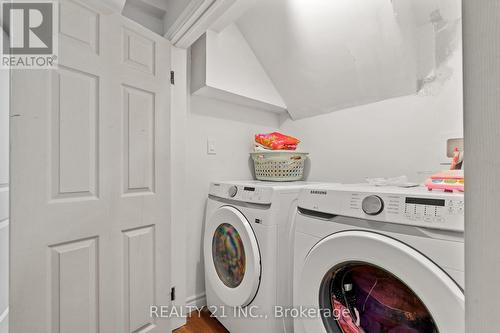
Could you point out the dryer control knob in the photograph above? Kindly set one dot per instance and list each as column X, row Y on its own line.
column 373, row 205
column 232, row 191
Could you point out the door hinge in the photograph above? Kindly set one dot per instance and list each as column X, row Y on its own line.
column 172, row 77
column 172, row 294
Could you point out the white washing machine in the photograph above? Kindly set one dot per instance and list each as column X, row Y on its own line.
column 248, row 247
column 379, row 259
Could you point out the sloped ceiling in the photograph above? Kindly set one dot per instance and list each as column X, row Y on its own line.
column 326, row 55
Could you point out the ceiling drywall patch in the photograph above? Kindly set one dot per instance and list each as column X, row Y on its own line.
column 434, row 29
column 328, row 55
column 324, row 56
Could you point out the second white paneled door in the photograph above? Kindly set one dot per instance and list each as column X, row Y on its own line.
column 90, row 224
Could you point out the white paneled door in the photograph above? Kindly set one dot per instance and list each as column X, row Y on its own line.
column 90, row 195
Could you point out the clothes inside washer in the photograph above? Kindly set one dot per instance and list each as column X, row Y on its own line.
column 377, row 302
column 228, row 255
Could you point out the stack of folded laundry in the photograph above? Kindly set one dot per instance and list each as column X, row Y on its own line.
column 275, row 141
column 448, row 181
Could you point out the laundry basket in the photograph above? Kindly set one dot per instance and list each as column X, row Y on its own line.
column 279, row 166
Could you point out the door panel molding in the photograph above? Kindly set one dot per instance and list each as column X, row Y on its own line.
column 139, row 52
column 139, row 145
column 75, row 134
column 74, row 275
column 80, row 25
column 139, row 278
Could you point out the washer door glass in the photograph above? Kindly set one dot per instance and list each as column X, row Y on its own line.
column 232, row 257
column 228, row 255
column 363, row 298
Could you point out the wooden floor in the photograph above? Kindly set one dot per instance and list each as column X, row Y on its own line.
column 203, row 323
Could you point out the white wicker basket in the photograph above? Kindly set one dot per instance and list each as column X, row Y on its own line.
column 279, row 165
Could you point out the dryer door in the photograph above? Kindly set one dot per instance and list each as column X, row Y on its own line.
column 232, row 257
column 364, row 282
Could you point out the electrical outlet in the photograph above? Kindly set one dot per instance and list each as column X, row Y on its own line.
column 211, row 147
column 452, row 143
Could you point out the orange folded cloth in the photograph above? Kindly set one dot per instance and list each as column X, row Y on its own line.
column 277, row 141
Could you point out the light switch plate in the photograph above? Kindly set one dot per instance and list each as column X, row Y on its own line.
column 211, row 147
column 452, row 143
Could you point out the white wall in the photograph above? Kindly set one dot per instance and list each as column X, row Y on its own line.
column 175, row 9
column 4, row 200
column 157, row 15
column 233, row 128
column 400, row 136
column 146, row 15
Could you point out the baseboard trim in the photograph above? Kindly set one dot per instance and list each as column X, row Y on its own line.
column 193, row 303
column 4, row 315
column 196, row 301
column 176, row 323
column 4, row 321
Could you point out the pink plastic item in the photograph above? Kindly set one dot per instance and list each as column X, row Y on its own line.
column 443, row 186
column 449, row 181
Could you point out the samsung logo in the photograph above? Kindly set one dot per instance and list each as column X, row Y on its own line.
column 318, row 192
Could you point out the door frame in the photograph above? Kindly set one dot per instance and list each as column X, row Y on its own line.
column 481, row 31
column 4, row 206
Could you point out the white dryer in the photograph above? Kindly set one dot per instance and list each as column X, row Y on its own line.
column 248, row 242
column 379, row 259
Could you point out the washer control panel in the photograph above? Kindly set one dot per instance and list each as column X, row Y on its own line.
column 431, row 210
column 437, row 212
column 243, row 193
column 412, row 206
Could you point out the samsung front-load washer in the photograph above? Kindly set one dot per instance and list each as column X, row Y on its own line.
column 379, row 259
column 248, row 254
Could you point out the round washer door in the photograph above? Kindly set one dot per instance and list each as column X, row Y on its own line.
column 387, row 285
column 232, row 257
